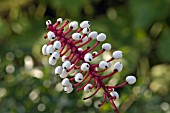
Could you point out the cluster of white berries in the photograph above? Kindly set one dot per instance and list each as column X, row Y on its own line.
column 55, row 50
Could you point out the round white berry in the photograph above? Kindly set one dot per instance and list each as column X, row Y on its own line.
column 65, row 82
column 86, row 30
column 63, row 58
column 80, row 49
column 103, row 65
column 117, row 54
column 52, row 61
column 57, row 45
column 88, row 57
column 106, row 46
column 130, row 79
column 76, row 36
column 85, row 67
column 73, row 25
column 85, row 24
column 101, row 37
column 68, row 89
column 114, row 94
column 78, row 77
column 95, row 52
column 66, row 65
column 58, row 70
column 118, row 66
column 93, row 35
column 51, row 36
column 64, row 74
column 50, row 49
column 87, row 88
column 55, row 55
column 59, row 20
column 48, row 22
column 44, row 47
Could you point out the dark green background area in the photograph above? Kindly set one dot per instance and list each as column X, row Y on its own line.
column 140, row 28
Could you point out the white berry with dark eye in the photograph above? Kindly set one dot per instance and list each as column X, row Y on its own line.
column 93, row 35
column 55, row 55
column 66, row 65
column 85, row 24
column 117, row 54
column 51, row 36
column 76, row 36
column 86, row 30
column 85, row 67
column 58, row 70
column 78, row 77
column 64, row 73
column 44, row 51
column 87, row 88
column 50, row 49
column 65, row 82
column 52, row 61
column 101, row 37
column 57, row 45
column 118, row 66
column 88, row 57
column 48, row 22
column 68, row 89
column 59, row 20
column 103, row 65
column 114, row 94
column 73, row 25
column 106, row 46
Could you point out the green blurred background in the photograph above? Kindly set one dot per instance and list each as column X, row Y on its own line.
column 140, row 28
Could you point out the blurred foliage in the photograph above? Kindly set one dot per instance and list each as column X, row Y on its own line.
column 140, row 28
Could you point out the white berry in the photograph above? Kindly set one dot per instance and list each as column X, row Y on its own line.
column 58, row 70
column 87, row 88
column 117, row 54
column 106, row 46
column 118, row 66
column 85, row 24
column 52, row 61
column 76, row 36
column 44, row 47
column 73, row 25
column 103, row 65
column 55, row 55
column 101, row 37
column 50, row 49
column 88, row 57
column 48, row 22
column 65, row 82
column 78, row 77
column 85, row 67
column 68, row 89
column 63, row 58
column 130, row 79
column 57, row 45
column 93, row 35
column 114, row 94
column 66, row 64
column 59, row 20
column 86, row 30
column 51, row 36
column 64, row 74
